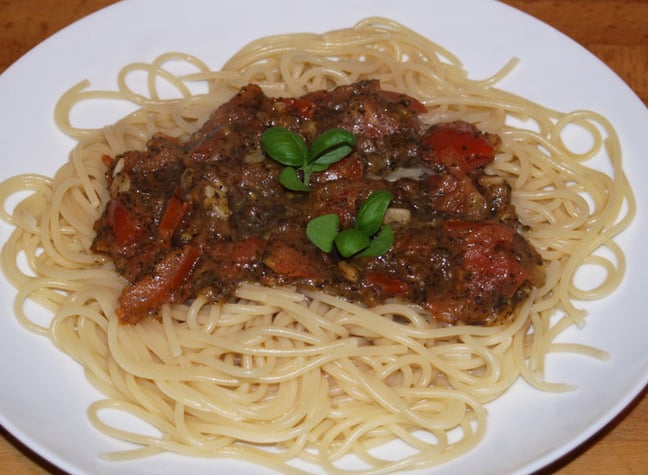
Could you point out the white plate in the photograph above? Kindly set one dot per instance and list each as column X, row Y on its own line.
column 44, row 394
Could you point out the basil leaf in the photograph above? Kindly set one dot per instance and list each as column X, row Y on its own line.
column 380, row 244
column 332, row 138
column 350, row 241
column 322, row 231
column 372, row 212
column 317, row 167
column 284, row 146
column 334, row 155
column 290, row 149
column 289, row 178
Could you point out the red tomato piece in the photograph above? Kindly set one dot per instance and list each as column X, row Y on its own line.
column 174, row 213
column 386, row 283
column 457, row 145
column 158, row 287
column 123, row 223
column 248, row 250
column 284, row 259
column 488, row 253
column 106, row 160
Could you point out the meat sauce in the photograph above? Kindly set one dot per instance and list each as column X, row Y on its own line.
column 202, row 215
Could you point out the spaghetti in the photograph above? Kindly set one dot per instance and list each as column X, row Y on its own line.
column 282, row 374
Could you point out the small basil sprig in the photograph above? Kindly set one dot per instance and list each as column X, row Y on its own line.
column 367, row 237
column 290, row 149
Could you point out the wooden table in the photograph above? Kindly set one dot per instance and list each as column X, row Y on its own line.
column 614, row 30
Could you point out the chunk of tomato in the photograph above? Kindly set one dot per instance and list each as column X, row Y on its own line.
column 286, row 260
column 457, row 145
column 386, row 283
column 158, row 287
column 488, row 253
column 123, row 223
column 247, row 251
column 174, row 213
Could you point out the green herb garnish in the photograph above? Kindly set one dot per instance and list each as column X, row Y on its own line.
column 365, row 238
column 290, row 149
column 322, row 231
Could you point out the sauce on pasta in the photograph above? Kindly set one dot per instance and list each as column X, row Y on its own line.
column 204, row 215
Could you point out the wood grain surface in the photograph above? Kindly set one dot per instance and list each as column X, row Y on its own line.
column 616, row 31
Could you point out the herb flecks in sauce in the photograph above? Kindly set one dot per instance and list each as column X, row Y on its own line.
column 410, row 206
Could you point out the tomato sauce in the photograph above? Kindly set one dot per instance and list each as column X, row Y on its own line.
column 200, row 216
